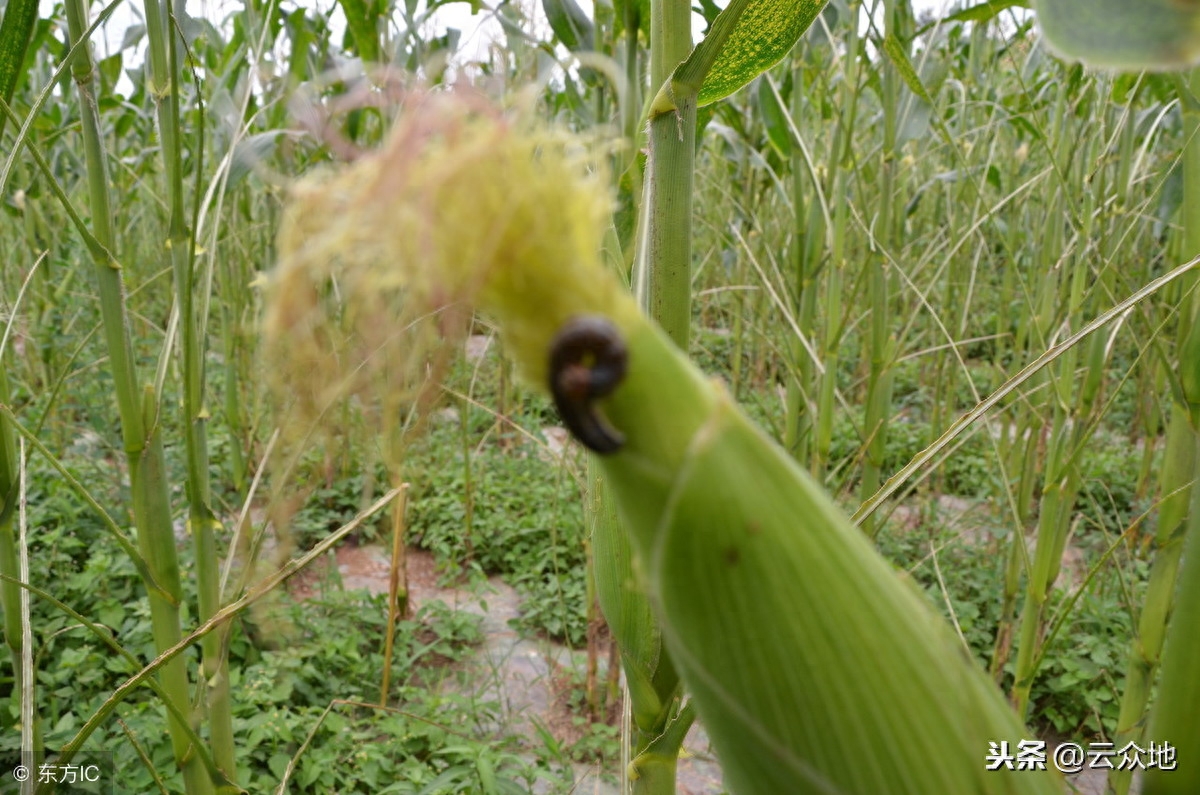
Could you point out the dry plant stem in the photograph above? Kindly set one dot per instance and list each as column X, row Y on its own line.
column 139, row 413
column 398, row 605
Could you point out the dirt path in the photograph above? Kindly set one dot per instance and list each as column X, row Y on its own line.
column 520, row 674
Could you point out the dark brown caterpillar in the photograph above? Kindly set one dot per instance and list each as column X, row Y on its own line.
column 587, row 362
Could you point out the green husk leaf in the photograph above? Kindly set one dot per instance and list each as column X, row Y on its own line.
column 1123, row 34
column 812, row 665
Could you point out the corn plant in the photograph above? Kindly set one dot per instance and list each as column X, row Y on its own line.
column 882, row 238
column 1156, row 35
column 16, row 30
column 792, row 697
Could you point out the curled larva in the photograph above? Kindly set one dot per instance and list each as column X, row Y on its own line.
column 588, row 358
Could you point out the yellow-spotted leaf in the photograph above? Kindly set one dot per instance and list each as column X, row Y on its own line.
column 1123, row 34
column 16, row 30
column 746, row 39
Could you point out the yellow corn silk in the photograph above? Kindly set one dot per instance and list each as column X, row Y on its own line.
column 465, row 206
column 813, row 666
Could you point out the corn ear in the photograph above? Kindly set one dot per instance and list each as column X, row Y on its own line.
column 814, row 667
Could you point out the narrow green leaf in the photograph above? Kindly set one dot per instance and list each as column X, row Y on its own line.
column 570, row 24
column 774, row 118
column 133, row 36
column 1123, row 34
column 895, row 52
column 15, row 33
column 361, row 18
column 248, row 153
column 982, row 12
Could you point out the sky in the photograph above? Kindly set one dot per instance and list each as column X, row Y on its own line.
column 478, row 32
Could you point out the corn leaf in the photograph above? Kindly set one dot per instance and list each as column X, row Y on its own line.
column 15, row 32
column 981, row 12
column 747, row 38
column 570, row 24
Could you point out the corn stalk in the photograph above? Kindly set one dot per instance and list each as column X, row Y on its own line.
column 15, row 32
column 1149, row 34
column 163, row 71
column 1176, row 482
column 880, row 350
column 139, row 411
column 663, row 277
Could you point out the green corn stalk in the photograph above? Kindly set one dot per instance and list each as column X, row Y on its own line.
column 10, row 591
column 662, row 275
column 1069, row 431
column 839, row 163
column 1179, row 470
column 140, row 420
column 1059, row 473
column 804, row 258
column 880, row 349
column 1174, row 717
column 163, row 71
column 16, row 30
column 1156, row 34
